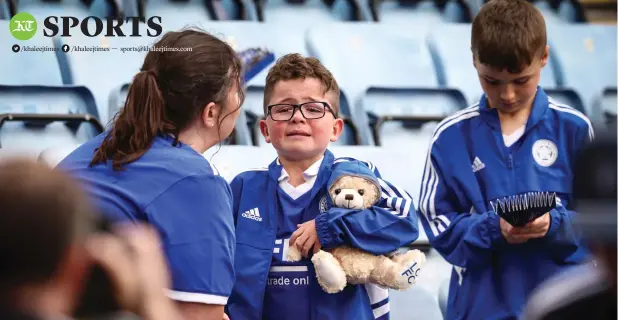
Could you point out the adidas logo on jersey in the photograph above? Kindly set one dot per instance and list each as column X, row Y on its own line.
column 253, row 214
column 477, row 164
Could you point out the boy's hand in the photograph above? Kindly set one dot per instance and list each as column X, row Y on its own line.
column 510, row 233
column 305, row 238
column 536, row 228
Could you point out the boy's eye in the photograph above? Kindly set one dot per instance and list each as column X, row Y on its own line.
column 490, row 81
column 314, row 110
column 521, row 80
column 282, row 109
column 361, row 192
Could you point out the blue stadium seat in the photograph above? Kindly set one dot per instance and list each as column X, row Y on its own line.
column 367, row 54
column 364, row 10
column 363, row 55
column 235, row 10
column 232, row 160
column 130, row 8
column 443, row 296
column 249, row 34
column 607, row 106
column 585, row 57
column 416, row 13
column 564, row 11
column 572, row 11
column 550, row 14
column 28, row 67
column 104, row 71
column 52, row 156
column 38, row 117
column 306, row 13
column 392, row 12
column 350, row 135
column 450, row 47
column 416, row 303
column 41, row 9
column 395, row 113
column 180, row 10
column 5, row 11
column 566, row 96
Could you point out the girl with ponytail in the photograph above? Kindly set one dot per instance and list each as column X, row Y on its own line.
column 149, row 166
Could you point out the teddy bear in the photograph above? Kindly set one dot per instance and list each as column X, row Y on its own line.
column 354, row 186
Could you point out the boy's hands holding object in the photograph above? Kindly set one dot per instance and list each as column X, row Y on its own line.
column 536, row 228
column 524, row 216
column 305, row 238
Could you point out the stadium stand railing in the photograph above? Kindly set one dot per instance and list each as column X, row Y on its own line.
column 37, row 117
column 401, row 65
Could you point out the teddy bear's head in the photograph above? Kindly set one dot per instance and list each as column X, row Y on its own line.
column 353, row 186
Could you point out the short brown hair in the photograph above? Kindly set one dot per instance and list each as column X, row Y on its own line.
column 508, row 34
column 43, row 213
column 294, row 66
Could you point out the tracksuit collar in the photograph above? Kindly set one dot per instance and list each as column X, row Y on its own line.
column 540, row 105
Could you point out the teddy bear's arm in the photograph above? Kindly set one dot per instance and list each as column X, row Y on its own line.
column 374, row 230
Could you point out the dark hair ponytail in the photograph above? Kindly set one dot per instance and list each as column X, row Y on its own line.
column 169, row 93
column 127, row 141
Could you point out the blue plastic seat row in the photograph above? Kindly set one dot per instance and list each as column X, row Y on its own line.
column 553, row 10
column 581, row 69
column 400, row 12
column 392, row 81
column 189, row 10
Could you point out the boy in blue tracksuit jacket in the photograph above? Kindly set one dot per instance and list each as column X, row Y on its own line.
column 515, row 140
column 287, row 205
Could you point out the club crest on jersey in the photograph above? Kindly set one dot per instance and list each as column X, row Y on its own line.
column 324, row 204
column 544, row 152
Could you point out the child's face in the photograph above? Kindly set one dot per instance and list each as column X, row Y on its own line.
column 300, row 138
column 511, row 92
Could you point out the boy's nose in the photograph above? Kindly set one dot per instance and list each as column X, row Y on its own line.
column 297, row 116
column 349, row 197
column 508, row 93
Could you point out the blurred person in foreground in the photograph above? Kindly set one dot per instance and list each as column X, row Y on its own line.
column 50, row 245
column 587, row 291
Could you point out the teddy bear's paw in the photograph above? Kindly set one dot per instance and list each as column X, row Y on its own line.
column 293, row 254
column 411, row 264
column 329, row 272
column 413, row 256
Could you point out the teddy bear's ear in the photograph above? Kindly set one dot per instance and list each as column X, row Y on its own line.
column 337, row 184
column 372, row 193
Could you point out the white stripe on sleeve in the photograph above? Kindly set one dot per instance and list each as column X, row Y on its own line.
column 196, row 297
column 565, row 108
column 431, row 179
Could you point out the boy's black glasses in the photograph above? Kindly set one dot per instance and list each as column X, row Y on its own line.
column 309, row 110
